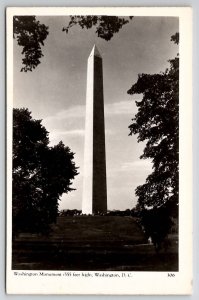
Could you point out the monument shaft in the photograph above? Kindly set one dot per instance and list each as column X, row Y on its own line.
column 94, row 183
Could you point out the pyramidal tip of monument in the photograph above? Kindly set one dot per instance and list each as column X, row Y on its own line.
column 95, row 51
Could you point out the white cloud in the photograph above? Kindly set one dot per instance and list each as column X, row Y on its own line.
column 72, row 133
column 109, row 132
column 64, row 122
column 137, row 165
column 138, row 168
column 78, row 111
column 120, row 108
column 60, row 135
column 75, row 132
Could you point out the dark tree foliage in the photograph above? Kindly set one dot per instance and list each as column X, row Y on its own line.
column 106, row 26
column 157, row 223
column 30, row 34
column 157, row 123
column 175, row 38
column 41, row 174
column 70, row 212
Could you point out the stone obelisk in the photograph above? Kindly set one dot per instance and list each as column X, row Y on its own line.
column 94, row 183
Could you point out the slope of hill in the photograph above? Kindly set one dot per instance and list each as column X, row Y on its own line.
column 90, row 243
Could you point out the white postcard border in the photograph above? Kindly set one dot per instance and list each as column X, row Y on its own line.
column 133, row 282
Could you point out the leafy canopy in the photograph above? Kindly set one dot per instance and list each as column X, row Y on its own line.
column 106, row 26
column 30, row 33
column 41, row 174
column 157, row 123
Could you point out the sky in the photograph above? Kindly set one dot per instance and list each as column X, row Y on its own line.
column 56, row 93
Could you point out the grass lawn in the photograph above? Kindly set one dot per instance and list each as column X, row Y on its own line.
column 92, row 243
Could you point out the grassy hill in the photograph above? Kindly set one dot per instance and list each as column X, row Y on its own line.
column 98, row 229
column 90, row 243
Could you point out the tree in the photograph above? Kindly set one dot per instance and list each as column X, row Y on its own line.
column 106, row 26
column 157, row 123
column 30, row 33
column 41, row 174
column 157, row 223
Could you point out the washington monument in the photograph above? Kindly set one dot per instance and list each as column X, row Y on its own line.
column 94, row 184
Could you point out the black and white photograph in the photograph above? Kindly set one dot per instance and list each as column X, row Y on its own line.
column 96, row 188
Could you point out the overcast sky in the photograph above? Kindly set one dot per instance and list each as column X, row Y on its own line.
column 56, row 93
